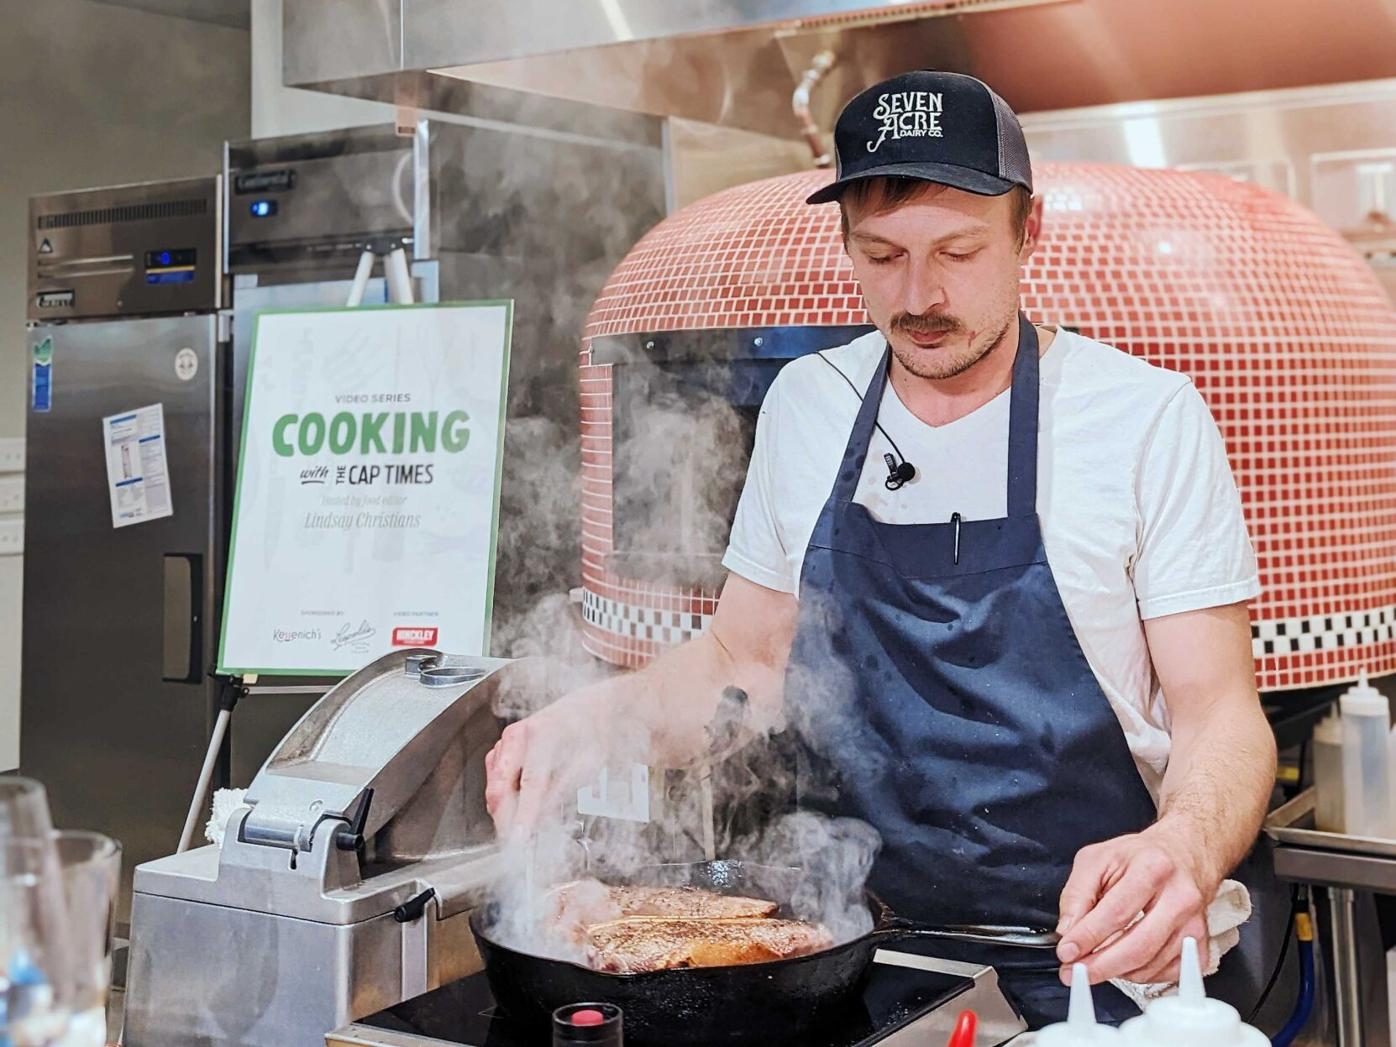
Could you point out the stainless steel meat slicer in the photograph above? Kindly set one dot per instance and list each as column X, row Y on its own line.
column 345, row 883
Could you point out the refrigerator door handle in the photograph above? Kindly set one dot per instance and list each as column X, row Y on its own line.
column 182, row 654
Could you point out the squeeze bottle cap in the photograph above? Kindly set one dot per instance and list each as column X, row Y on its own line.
column 1329, row 730
column 1362, row 699
column 1189, row 1017
column 1080, row 1028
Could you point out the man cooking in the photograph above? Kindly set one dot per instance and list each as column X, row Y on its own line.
column 1016, row 554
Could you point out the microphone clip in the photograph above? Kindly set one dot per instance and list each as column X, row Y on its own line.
column 898, row 473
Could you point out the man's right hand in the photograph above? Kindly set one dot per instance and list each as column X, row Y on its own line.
column 659, row 715
column 534, row 762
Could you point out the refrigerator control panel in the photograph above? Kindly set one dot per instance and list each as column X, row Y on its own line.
column 136, row 250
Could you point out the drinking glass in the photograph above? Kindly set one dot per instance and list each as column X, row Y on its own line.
column 36, row 969
column 23, row 809
column 91, row 870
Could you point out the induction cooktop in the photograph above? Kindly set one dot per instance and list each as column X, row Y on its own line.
column 909, row 1001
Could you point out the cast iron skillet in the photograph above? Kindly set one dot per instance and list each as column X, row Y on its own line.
column 752, row 1003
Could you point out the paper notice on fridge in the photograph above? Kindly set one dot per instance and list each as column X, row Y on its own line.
column 138, row 475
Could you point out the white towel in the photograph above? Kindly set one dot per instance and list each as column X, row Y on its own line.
column 225, row 802
column 1228, row 911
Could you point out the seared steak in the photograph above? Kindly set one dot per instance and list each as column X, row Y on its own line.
column 586, row 902
column 632, row 945
column 688, row 903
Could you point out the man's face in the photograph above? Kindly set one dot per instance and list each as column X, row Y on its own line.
column 940, row 274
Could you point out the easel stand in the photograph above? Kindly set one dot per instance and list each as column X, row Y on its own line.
column 399, row 280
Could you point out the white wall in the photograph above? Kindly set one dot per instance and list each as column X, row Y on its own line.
column 278, row 110
column 94, row 94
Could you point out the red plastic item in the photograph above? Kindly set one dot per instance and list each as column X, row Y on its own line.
column 963, row 1036
column 588, row 1018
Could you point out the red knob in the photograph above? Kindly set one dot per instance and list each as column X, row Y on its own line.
column 588, row 1017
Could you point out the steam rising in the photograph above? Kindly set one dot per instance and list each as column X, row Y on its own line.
column 680, row 452
column 815, row 867
column 547, row 220
column 834, row 855
column 677, row 474
column 542, row 215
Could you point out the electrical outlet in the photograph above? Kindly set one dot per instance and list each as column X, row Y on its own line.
column 12, row 494
column 12, row 537
column 12, row 455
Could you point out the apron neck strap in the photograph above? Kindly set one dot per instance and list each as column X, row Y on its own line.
column 1022, row 424
column 1022, row 427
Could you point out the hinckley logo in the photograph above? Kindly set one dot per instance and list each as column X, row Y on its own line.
column 907, row 114
column 414, row 636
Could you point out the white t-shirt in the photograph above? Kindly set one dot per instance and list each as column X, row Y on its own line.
column 1140, row 514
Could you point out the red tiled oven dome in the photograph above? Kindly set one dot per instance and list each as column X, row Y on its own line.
column 1283, row 328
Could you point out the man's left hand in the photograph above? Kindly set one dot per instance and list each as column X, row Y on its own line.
column 1159, row 873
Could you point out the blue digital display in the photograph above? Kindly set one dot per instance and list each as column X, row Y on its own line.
column 262, row 208
column 171, row 265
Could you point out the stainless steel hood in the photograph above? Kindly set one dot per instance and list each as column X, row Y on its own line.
column 736, row 62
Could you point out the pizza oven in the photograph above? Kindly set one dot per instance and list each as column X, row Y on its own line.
column 1282, row 326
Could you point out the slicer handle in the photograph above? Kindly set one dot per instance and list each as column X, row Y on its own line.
column 414, row 907
column 351, row 838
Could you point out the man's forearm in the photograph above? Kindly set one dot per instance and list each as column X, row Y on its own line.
column 1218, row 784
column 669, row 704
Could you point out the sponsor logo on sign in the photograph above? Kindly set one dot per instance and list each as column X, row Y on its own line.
column 907, row 114
column 294, row 635
column 356, row 639
column 414, row 636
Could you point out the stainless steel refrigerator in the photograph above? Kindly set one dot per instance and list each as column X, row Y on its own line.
column 125, row 291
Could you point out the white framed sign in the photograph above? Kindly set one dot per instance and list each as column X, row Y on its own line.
column 367, row 503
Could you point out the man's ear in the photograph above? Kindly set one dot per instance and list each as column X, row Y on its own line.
column 1032, row 230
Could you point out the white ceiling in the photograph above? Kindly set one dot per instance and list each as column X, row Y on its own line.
column 221, row 12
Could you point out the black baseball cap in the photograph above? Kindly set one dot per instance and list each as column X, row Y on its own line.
column 939, row 127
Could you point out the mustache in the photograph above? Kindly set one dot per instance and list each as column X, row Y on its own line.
column 937, row 323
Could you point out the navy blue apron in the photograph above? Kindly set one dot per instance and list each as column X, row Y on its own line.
column 967, row 727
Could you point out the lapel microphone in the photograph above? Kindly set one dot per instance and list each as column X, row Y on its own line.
column 898, row 473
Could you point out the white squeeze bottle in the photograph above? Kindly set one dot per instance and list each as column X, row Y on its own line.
column 1189, row 1019
column 1080, row 1028
column 1328, row 773
column 1366, row 760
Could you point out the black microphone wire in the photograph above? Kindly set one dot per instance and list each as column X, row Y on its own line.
column 838, row 371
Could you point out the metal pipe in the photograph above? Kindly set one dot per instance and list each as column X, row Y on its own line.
column 1347, row 986
column 196, row 806
column 823, row 62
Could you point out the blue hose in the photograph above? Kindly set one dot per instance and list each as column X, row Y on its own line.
column 1304, row 1004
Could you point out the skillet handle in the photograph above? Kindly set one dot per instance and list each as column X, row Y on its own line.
column 1017, row 937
